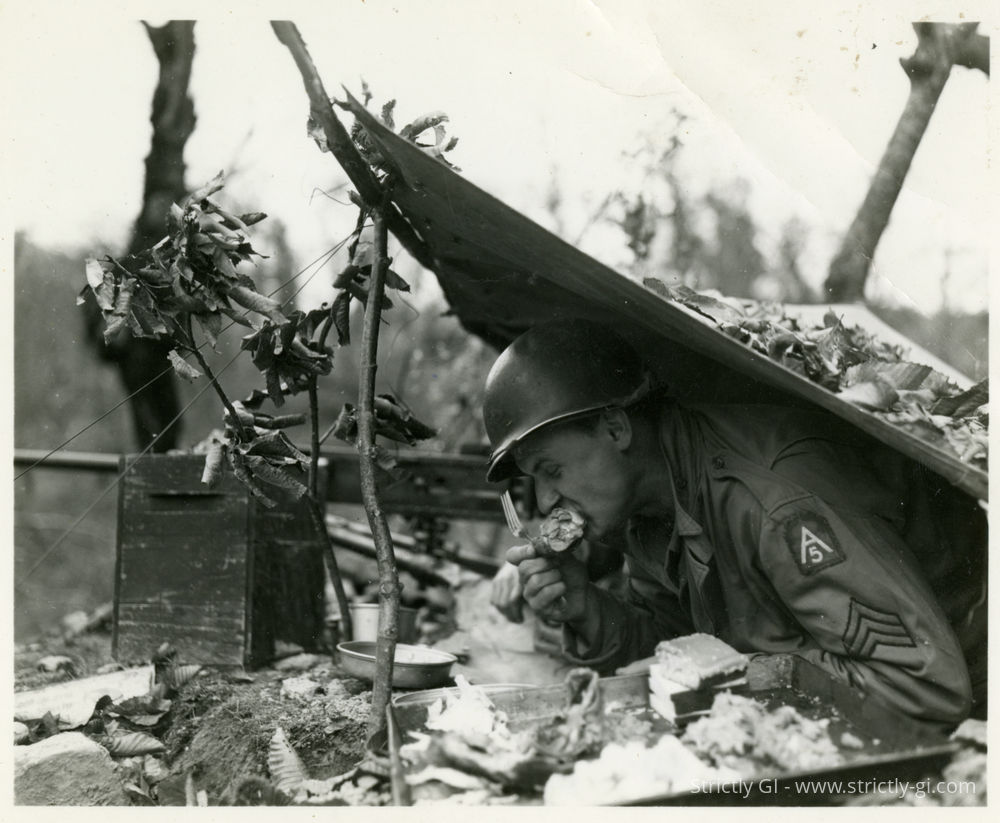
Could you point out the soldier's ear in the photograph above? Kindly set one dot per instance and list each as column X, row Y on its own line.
column 616, row 424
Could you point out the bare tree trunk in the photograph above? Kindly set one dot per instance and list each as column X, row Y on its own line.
column 142, row 362
column 173, row 120
column 939, row 47
column 388, row 589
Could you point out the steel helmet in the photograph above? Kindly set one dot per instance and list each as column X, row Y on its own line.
column 553, row 372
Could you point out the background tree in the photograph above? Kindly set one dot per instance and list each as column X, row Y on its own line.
column 733, row 263
column 708, row 241
column 939, row 47
column 142, row 363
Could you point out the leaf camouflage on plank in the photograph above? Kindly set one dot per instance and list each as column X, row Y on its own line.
column 414, row 130
column 966, row 403
column 854, row 364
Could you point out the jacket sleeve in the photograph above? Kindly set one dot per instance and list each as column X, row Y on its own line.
column 628, row 630
column 868, row 616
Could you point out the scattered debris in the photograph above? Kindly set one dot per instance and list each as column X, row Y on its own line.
column 971, row 731
column 851, row 741
column 291, row 779
column 968, row 768
column 131, row 744
column 256, row 791
column 283, row 648
column 57, row 663
column 74, row 623
column 300, row 662
column 300, row 688
column 72, row 703
column 145, row 711
column 287, row 770
column 153, row 769
column 226, row 729
column 21, row 733
column 66, row 770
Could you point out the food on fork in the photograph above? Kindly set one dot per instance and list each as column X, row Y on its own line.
column 559, row 531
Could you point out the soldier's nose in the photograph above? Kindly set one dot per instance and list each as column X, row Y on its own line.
column 546, row 497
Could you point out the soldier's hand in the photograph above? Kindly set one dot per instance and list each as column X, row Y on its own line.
column 506, row 593
column 554, row 586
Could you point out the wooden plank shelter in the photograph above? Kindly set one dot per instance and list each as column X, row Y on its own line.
column 502, row 273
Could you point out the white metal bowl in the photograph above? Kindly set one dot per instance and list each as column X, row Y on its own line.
column 414, row 667
column 364, row 620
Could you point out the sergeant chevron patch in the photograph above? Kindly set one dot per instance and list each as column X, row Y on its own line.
column 868, row 628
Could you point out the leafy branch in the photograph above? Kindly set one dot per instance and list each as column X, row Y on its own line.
column 365, row 279
column 191, row 276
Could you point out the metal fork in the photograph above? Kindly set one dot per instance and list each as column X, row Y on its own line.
column 510, row 513
column 517, row 527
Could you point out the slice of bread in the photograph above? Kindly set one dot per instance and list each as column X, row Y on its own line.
column 678, row 703
column 699, row 660
column 688, row 672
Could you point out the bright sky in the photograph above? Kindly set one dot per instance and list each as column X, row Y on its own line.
column 798, row 98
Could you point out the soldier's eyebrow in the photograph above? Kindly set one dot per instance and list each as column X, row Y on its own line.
column 527, row 458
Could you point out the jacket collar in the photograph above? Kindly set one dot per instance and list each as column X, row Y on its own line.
column 679, row 445
column 675, row 447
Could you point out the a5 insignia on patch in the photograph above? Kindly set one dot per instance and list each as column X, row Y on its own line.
column 811, row 542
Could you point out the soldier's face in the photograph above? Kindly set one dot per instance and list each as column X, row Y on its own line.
column 581, row 468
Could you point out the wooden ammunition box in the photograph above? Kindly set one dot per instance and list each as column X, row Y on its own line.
column 213, row 572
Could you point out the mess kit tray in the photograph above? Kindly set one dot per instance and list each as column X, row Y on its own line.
column 892, row 745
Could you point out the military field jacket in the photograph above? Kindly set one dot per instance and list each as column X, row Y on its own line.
column 787, row 538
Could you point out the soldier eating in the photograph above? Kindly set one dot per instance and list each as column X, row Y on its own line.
column 775, row 529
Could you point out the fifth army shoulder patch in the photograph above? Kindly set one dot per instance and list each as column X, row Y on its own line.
column 811, row 542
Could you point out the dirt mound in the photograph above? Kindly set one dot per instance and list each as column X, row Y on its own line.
column 222, row 729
